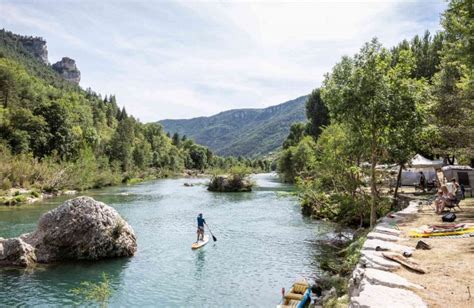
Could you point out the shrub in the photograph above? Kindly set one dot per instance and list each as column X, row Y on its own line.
column 99, row 292
column 6, row 184
column 20, row 199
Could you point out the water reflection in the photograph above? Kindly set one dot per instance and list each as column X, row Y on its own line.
column 46, row 282
column 200, row 262
column 263, row 246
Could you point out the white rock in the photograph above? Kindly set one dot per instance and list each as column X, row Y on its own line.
column 388, row 279
column 371, row 256
column 371, row 244
column 410, row 209
column 380, row 296
column 390, row 231
column 383, row 237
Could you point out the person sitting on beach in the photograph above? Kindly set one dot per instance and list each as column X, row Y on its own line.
column 443, row 198
column 453, row 186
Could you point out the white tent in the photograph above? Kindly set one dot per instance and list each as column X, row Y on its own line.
column 422, row 162
column 411, row 176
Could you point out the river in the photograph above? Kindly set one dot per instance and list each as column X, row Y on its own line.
column 263, row 244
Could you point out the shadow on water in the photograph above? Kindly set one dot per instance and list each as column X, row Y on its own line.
column 45, row 282
column 200, row 262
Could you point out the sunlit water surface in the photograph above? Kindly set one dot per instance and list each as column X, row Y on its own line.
column 263, row 244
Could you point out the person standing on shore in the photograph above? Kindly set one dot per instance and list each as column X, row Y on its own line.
column 422, row 182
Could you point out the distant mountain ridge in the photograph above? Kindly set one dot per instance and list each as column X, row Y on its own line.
column 242, row 132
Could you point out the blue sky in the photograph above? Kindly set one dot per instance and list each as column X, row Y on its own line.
column 182, row 59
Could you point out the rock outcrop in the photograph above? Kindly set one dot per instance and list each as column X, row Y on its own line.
column 36, row 46
column 15, row 252
column 229, row 184
column 373, row 283
column 80, row 229
column 68, row 70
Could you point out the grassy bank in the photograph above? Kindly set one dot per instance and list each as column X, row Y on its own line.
column 338, row 259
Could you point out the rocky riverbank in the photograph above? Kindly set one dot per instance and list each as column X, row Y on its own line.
column 17, row 196
column 373, row 282
column 80, row 229
column 447, row 281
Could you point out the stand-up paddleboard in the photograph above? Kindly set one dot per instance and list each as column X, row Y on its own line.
column 197, row 245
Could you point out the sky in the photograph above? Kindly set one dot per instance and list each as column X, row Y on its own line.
column 183, row 59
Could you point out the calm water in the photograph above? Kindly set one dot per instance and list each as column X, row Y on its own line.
column 263, row 244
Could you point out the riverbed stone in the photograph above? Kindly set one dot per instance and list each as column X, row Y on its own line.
column 412, row 208
column 383, row 237
column 372, row 244
column 82, row 228
column 374, row 259
column 380, row 296
column 387, row 279
column 387, row 230
column 15, row 252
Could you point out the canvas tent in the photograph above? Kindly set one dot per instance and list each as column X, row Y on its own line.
column 422, row 162
column 463, row 174
column 411, row 176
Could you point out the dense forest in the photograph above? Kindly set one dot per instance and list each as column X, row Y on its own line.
column 55, row 135
column 245, row 132
column 382, row 106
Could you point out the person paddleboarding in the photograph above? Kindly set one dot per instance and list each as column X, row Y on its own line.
column 200, row 227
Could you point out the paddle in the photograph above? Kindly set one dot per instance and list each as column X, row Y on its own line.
column 213, row 237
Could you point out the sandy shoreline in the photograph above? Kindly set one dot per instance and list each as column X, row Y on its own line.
column 450, row 263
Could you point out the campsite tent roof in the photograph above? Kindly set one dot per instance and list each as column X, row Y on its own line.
column 422, row 162
column 456, row 167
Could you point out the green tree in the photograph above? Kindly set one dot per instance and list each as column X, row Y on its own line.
column 121, row 144
column 176, row 140
column 364, row 93
column 453, row 87
column 297, row 131
column 408, row 98
column 317, row 114
column 7, row 85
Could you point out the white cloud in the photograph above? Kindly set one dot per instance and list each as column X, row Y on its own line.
column 190, row 58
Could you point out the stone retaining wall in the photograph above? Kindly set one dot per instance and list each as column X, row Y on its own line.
column 373, row 283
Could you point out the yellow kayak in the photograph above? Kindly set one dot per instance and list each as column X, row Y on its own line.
column 415, row 233
column 200, row 243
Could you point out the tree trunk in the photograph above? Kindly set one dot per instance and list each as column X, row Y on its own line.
column 373, row 189
column 395, row 194
column 451, row 161
column 5, row 101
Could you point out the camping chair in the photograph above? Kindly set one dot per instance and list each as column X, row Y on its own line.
column 429, row 202
column 455, row 203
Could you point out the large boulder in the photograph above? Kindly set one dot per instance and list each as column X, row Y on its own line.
column 15, row 252
column 80, row 229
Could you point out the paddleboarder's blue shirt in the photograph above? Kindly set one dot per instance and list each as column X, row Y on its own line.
column 201, row 222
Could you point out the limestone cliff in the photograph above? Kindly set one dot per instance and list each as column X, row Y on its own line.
column 68, row 70
column 36, row 46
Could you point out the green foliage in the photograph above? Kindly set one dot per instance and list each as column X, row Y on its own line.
column 317, row 114
column 297, row 160
column 453, row 89
column 297, row 132
column 374, row 99
column 54, row 135
column 245, row 132
column 95, row 292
